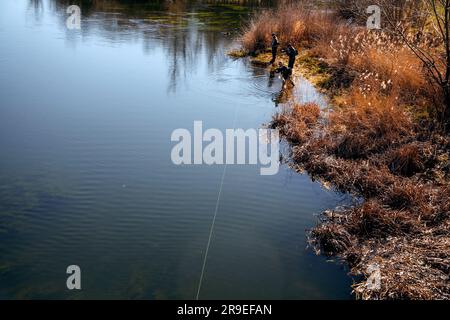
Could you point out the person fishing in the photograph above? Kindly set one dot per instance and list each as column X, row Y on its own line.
column 275, row 44
column 285, row 72
column 292, row 53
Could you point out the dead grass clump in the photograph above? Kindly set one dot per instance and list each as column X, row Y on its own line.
column 371, row 182
column 330, row 239
column 409, row 268
column 296, row 123
column 293, row 22
column 406, row 160
column 307, row 113
column 368, row 125
column 257, row 34
column 372, row 219
column 406, row 195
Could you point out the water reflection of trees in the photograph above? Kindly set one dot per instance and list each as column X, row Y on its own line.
column 172, row 5
column 38, row 8
column 183, row 36
column 36, row 4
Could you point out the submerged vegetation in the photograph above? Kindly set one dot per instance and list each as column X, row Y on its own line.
column 385, row 140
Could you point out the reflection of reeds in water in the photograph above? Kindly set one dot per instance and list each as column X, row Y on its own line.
column 184, row 28
column 38, row 8
column 173, row 6
column 36, row 4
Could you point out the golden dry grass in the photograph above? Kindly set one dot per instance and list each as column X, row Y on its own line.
column 372, row 62
column 376, row 154
column 294, row 23
column 371, row 145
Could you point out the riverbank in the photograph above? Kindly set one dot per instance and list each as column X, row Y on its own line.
column 381, row 141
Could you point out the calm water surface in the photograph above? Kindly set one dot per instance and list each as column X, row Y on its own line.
column 85, row 171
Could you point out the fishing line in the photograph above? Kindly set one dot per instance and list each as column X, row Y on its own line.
column 200, row 282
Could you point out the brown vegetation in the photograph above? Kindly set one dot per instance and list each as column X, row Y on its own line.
column 294, row 23
column 382, row 142
column 410, row 63
column 403, row 225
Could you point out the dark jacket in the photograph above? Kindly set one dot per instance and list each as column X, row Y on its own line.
column 285, row 72
column 275, row 42
column 292, row 53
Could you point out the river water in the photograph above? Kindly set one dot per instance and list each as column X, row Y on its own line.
column 86, row 176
